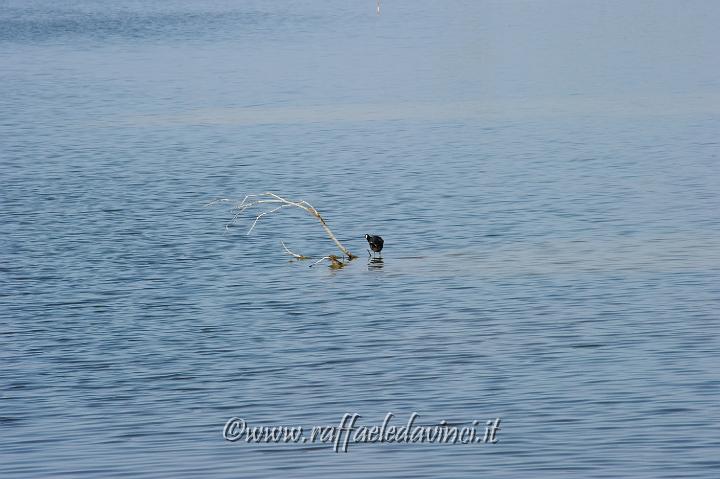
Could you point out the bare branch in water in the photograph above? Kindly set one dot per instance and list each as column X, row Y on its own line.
column 335, row 263
column 294, row 255
column 270, row 198
column 319, row 261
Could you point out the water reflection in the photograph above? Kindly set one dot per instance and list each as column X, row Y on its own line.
column 375, row 263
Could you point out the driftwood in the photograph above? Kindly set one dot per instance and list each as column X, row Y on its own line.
column 277, row 203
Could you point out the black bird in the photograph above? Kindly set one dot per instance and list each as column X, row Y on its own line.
column 375, row 242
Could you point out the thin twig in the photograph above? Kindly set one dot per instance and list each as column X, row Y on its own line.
column 219, row 200
column 319, row 261
column 335, row 263
column 263, row 214
column 294, row 255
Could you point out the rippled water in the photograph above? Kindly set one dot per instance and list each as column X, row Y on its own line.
column 545, row 176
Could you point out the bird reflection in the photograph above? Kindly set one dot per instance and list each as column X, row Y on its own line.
column 375, row 263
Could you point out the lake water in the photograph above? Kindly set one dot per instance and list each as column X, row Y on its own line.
column 545, row 176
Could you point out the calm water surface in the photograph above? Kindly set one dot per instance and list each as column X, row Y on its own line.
column 545, row 176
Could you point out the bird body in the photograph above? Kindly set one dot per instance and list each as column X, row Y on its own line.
column 375, row 242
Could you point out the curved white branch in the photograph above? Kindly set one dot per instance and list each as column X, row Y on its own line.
column 255, row 200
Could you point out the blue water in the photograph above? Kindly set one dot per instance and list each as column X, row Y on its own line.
column 545, row 176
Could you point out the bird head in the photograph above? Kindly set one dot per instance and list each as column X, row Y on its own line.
column 367, row 237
